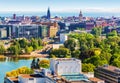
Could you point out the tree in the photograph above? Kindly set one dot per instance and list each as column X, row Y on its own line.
column 44, row 63
column 14, row 50
column 2, row 49
column 22, row 70
column 87, row 67
column 70, row 44
column 34, row 44
column 23, row 43
column 116, row 62
column 96, row 31
column 28, row 49
column 96, row 61
column 60, row 53
column 112, row 34
column 76, row 54
column 39, row 42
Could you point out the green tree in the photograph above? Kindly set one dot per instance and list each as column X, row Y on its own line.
column 34, row 44
column 28, row 49
column 112, row 34
column 23, row 43
column 87, row 67
column 44, row 63
column 76, row 54
column 2, row 49
column 13, row 50
column 60, row 53
column 96, row 31
column 70, row 44
column 39, row 42
column 116, row 62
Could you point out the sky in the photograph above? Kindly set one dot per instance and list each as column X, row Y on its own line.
column 60, row 5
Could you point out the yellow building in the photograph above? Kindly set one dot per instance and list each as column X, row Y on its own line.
column 53, row 29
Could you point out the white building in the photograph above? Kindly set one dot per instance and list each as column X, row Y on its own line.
column 26, row 78
column 63, row 38
column 63, row 66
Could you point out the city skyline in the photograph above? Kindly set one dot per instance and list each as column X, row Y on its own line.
column 60, row 6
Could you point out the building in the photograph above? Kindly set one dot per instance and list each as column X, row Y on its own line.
column 43, row 29
column 69, row 69
column 26, row 31
column 53, row 29
column 5, row 31
column 14, row 16
column 27, row 78
column 109, row 74
column 61, row 66
column 48, row 14
column 63, row 37
column 80, row 16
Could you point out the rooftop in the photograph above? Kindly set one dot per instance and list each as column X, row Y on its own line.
column 111, row 68
column 31, row 76
column 14, row 79
column 95, row 79
column 75, row 77
column 65, row 59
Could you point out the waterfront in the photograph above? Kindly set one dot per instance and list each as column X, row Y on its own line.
column 10, row 64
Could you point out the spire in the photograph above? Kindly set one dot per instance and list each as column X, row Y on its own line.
column 48, row 14
column 80, row 16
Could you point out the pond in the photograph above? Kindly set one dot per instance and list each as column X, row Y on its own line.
column 8, row 64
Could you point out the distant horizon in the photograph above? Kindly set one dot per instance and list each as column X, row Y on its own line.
column 61, row 14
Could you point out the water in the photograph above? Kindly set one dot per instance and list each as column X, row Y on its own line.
column 6, row 66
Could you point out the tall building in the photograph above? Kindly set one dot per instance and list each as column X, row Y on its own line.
column 109, row 74
column 48, row 14
column 14, row 16
column 5, row 31
column 53, row 29
column 80, row 16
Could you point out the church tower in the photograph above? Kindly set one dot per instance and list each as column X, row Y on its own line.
column 48, row 14
column 80, row 16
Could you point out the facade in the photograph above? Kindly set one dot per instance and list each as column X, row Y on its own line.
column 109, row 74
column 53, row 29
column 5, row 31
column 27, row 78
column 27, row 31
column 43, row 29
column 63, row 37
column 80, row 16
column 65, row 66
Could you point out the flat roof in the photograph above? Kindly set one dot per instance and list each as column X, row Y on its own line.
column 75, row 77
column 31, row 76
column 65, row 59
column 13, row 78
column 95, row 79
column 111, row 68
